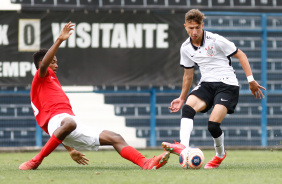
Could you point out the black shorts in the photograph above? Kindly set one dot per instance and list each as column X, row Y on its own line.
column 217, row 93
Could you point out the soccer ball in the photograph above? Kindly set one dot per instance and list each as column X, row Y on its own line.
column 191, row 158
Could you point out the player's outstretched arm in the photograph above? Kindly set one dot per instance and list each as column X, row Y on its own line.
column 48, row 58
column 177, row 103
column 253, row 85
column 77, row 156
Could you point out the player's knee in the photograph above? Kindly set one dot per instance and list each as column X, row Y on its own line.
column 188, row 112
column 68, row 124
column 118, row 138
column 214, row 129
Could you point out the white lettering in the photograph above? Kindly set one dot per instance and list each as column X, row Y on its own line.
column 119, row 38
column 149, row 34
column 29, row 35
column 83, row 30
column 4, row 34
column 134, row 35
column 1, row 69
column 106, row 30
column 16, row 69
column 56, row 28
column 119, row 35
column 72, row 38
column 24, row 68
column 162, row 35
column 10, row 69
column 95, row 36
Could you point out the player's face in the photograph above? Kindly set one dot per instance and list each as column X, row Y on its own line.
column 195, row 31
column 54, row 64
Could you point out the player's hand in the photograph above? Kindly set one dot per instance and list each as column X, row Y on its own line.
column 255, row 89
column 175, row 105
column 66, row 31
column 78, row 157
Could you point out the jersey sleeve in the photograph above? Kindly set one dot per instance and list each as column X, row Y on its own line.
column 42, row 79
column 185, row 61
column 227, row 47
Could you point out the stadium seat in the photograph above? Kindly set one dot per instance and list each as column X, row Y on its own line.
column 25, row 111
column 135, row 122
column 89, row 2
column 14, row 99
column 7, row 111
column 144, row 111
column 242, row 110
column 277, row 87
column 126, row 98
column 238, row 133
column 143, row 133
column 177, row 2
column 220, row 22
column 156, row 2
column 66, row 2
column 242, row 3
column 264, row 3
column 22, row 134
column 278, row 2
column 111, row 2
column 44, row 2
column 218, row 3
column 134, row 2
column 17, row 123
column 198, row 133
column 204, row 3
column 21, row 1
column 243, row 22
column 166, row 98
column 125, row 111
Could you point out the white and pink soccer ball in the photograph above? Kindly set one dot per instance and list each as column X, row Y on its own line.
column 191, row 158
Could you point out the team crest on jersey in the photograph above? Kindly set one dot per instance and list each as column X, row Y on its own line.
column 210, row 51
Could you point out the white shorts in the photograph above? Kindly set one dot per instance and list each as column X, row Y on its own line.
column 81, row 138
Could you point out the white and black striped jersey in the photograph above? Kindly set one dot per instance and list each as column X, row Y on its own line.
column 213, row 58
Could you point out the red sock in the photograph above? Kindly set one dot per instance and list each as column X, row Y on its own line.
column 50, row 145
column 133, row 155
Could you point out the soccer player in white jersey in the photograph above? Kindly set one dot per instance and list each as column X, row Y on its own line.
column 217, row 88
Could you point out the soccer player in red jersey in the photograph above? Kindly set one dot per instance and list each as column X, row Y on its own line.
column 54, row 115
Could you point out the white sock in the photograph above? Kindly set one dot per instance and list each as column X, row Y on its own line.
column 186, row 127
column 219, row 145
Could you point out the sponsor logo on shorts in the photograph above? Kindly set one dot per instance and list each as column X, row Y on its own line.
column 222, row 99
column 197, row 87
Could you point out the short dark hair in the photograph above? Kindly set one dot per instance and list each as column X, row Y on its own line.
column 194, row 15
column 38, row 56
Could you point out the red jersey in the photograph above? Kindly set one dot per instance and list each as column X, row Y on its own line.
column 48, row 98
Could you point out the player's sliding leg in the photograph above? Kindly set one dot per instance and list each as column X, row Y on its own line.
column 51, row 144
column 186, row 127
column 130, row 153
column 218, row 137
column 68, row 125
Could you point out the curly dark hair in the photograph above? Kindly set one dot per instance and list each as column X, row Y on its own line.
column 38, row 56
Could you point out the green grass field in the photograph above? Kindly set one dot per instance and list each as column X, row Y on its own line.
column 108, row 167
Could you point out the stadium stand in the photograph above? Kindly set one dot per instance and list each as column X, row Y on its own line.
column 17, row 123
column 204, row 5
